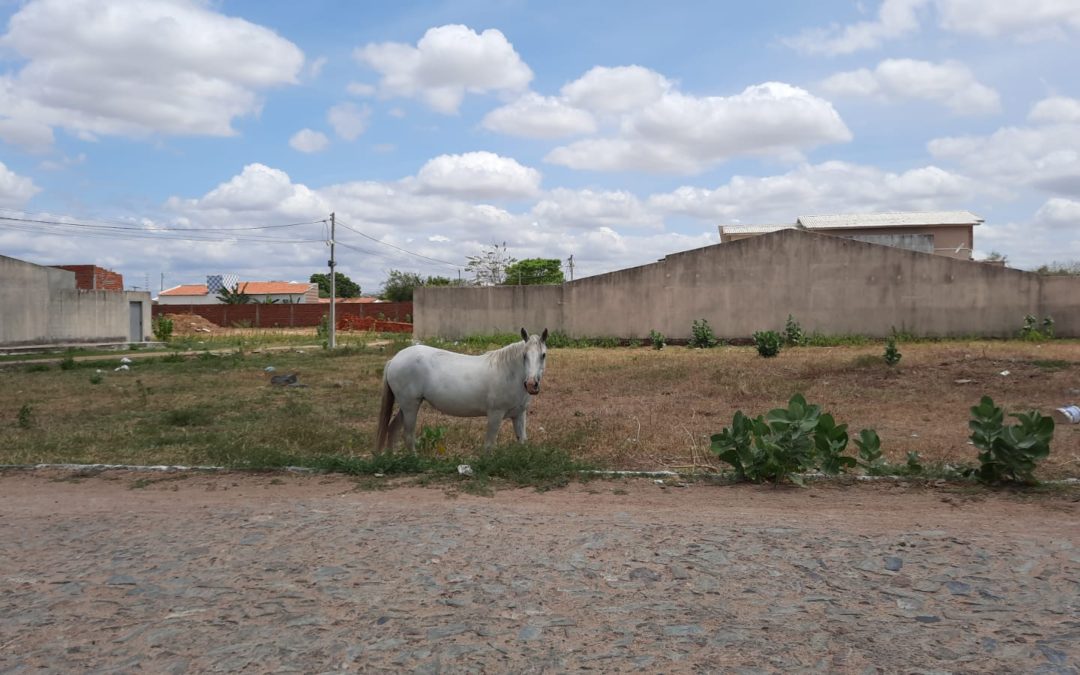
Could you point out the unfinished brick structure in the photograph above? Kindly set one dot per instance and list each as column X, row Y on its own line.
column 94, row 278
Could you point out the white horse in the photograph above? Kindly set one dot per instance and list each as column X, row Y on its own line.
column 497, row 385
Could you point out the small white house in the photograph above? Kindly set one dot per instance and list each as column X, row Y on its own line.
column 260, row 291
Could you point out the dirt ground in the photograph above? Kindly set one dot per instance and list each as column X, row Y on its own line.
column 177, row 573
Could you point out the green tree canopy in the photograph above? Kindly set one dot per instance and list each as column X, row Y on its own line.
column 535, row 271
column 399, row 285
column 346, row 287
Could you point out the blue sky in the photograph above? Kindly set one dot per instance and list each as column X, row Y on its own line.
column 613, row 132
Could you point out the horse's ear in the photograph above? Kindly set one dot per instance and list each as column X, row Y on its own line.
column 524, row 335
column 543, row 336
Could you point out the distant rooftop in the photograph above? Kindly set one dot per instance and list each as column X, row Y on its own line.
column 249, row 287
column 894, row 219
column 753, row 229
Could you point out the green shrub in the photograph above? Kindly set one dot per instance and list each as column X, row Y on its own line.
column 68, row 363
column 767, row 342
column 432, row 440
column 702, row 335
column 38, row 368
column 657, row 339
column 784, row 443
column 1032, row 332
column 892, row 354
column 96, row 378
column 870, row 458
column 1008, row 453
column 25, row 418
column 793, row 333
column 559, row 339
column 162, row 327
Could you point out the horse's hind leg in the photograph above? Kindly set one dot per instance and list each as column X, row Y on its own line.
column 409, row 411
column 393, row 430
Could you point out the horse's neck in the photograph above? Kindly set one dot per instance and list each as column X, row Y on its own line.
column 508, row 358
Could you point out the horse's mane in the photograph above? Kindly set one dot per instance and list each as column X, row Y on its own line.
column 508, row 355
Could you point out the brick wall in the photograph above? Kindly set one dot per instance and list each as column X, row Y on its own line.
column 287, row 316
column 94, row 278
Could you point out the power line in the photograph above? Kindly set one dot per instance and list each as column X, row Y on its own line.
column 138, row 228
column 403, row 250
column 92, row 230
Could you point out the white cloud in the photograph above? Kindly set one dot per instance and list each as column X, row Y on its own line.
column 1027, row 21
column 830, row 187
column 950, row 83
column 1061, row 214
column 446, row 63
column 15, row 190
column 1046, row 157
column 1056, row 110
column 536, row 116
column 589, row 209
column 258, row 189
column 895, row 19
column 478, row 175
column 1031, row 19
column 307, row 140
column 616, row 90
column 195, row 72
column 315, row 67
column 680, row 133
column 349, row 120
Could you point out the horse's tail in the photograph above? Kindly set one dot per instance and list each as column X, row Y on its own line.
column 385, row 411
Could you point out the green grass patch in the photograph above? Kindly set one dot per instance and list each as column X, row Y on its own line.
column 1052, row 364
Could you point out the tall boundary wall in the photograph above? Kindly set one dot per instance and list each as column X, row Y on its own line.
column 831, row 285
column 289, row 315
column 40, row 305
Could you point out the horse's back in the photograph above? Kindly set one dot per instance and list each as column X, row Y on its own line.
column 457, row 384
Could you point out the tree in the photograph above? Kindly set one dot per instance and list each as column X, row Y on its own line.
column 489, row 268
column 233, row 296
column 346, row 287
column 443, row 281
column 399, row 285
column 535, row 271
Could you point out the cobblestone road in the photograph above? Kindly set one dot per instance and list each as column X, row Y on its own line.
column 240, row 573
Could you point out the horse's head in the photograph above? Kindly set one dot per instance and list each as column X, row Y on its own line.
column 535, row 356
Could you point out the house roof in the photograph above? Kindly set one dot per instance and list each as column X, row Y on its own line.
column 361, row 299
column 895, row 219
column 249, row 287
column 753, row 229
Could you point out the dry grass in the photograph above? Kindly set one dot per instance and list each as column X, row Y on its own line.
column 627, row 408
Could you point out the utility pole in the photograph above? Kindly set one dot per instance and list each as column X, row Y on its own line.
column 331, row 341
column 570, row 262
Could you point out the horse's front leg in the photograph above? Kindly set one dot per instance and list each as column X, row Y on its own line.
column 495, row 418
column 409, row 412
column 519, row 426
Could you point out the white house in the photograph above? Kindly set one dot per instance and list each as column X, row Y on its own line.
column 260, row 291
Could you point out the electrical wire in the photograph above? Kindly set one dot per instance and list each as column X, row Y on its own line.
column 403, row 250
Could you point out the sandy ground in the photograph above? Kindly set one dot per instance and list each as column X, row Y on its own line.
column 179, row 573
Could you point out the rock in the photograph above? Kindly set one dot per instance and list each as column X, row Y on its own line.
column 284, row 380
column 530, row 633
column 893, row 564
column 928, row 619
column 644, row 574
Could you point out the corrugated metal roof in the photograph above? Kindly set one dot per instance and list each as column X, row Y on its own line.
column 753, row 229
column 895, row 219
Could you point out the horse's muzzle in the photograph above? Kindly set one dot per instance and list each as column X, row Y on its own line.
column 532, row 387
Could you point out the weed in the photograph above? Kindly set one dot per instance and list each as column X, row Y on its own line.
column 1009, row 453
column 1032, row 332
column 173, row 357
column 819, row 340
column 702, row 335
column 784, row 443
column 657, row 339
column 793, row 333
column 96, row 378
column 25, row 418
column 38, row 368
column 870, row 458
column 767, row 343
column 162, row 327
column 432, row 440
column 1052, row 364
column 188, row 417
column 68, row 363
column 892, row 354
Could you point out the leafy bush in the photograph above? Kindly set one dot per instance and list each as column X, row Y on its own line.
column 657, row 339
column 892, row 354
column 784, row 443
column 96, row 378
column 558, row 339
column 1009, row 453
column 162, row 327
column 767, row 343
column 1032, row 331
column 432, row 440
column 68, row 363
column 322, row 331
column 25, row 417
column 793, row 333
column 702, row 335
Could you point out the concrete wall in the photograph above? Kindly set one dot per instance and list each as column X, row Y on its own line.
column 830, row 285
column 40, row 305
